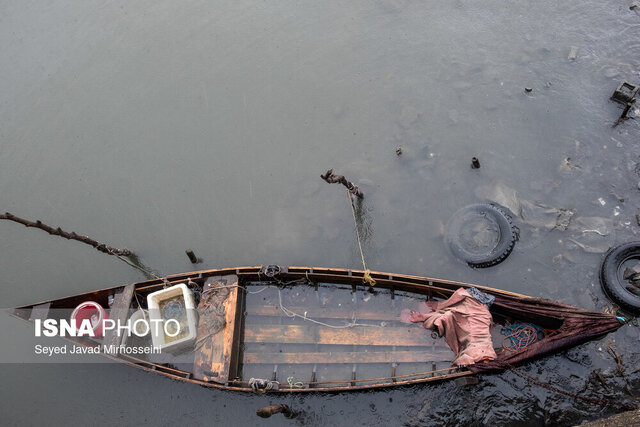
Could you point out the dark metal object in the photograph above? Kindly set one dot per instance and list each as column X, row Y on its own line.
column 625, row 93
column 475, row 163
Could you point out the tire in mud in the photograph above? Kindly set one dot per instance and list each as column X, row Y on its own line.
column 489, row 221
column 611, row 275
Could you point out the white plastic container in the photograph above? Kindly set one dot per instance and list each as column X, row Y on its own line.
column 174, row 312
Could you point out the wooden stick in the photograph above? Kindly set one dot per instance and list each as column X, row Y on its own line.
column 340, row 179
column 71, row 236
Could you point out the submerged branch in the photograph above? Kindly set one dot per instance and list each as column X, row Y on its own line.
column 70, row 236
column 331, row 178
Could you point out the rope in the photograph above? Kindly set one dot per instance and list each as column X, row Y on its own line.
column 292, row 384
column 367, row 273
column 257, row 384
column 520, row 335
column 293, row 314
column 144, row 270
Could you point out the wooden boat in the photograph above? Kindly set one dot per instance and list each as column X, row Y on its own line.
column 302, row 329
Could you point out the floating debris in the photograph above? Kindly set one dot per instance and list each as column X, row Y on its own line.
column 567, row 165
column 398, row 151
column 528, row 89
column 270, row 410
column 475, row 163
column 192, row 257
column 573, row 53
column 545, row 217
column 501, row 194
column 624, row 93
column 592, row 234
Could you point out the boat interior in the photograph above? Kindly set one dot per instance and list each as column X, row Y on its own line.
column 290, row 329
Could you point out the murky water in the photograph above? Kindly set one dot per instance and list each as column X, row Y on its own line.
column 164, row 126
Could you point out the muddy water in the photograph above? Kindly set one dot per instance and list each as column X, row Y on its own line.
column 204, row 125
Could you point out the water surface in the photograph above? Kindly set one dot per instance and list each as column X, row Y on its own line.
column 164, row 126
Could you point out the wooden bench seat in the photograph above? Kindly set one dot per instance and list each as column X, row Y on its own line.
column 216, row 353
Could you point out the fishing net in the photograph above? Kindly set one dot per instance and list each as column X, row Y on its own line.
column 569, row 326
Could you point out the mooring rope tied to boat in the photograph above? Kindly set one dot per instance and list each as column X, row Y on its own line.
column 367, row 273
column 144, row 270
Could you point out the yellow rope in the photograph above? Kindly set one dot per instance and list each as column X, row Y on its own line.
column 367, row 273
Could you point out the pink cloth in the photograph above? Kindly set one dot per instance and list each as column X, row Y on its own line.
column 465, row 323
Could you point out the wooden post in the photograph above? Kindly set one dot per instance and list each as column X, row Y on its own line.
column 192, row 257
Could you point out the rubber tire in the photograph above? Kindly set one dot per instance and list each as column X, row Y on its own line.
column 610, row 278
column 506, row 239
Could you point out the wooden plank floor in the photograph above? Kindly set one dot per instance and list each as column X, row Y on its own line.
column 411, row 335
column 324, row 313
column 386, row 341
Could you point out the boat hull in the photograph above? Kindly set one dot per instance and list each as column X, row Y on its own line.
column 220, row 364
